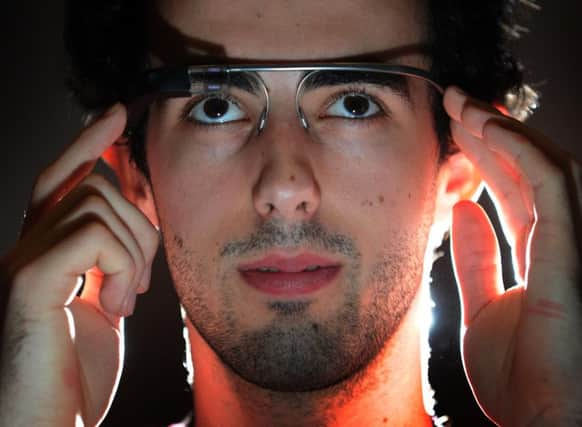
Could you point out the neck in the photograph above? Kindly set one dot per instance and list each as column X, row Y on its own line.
column 386, row 392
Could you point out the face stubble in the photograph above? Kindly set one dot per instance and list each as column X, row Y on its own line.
column 303, row 354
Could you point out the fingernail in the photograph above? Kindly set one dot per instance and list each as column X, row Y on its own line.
column 112, row 110
column 459, row 93
column 145, row 279
column 129, row 304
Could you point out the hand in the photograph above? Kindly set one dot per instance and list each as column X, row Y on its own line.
column 62, row 354
column 521, row 348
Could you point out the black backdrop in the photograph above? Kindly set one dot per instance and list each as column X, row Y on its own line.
column 38, row 118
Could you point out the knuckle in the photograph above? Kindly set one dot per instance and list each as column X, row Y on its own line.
column 95, row 230
column 94, row 203
column 96, row 180
column 476, row 116
column 470, row 112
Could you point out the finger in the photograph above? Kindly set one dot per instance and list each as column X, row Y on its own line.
column 91, row 294
column 554, row 228
column 95, row 208
column 475, row 114
column 135, row 230
column 476, row 259
column 476, row 117
column 50, row 280
column 76, row 162
column 472, row 115
column 506, row 189
column 145, row 234
column 525, row 152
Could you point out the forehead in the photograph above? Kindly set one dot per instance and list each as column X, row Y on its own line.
column 290, row 29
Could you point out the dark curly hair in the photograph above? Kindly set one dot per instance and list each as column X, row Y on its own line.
column 107, row 41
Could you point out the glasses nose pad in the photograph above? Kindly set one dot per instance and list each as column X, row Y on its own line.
column 302, row 118
column 299, row 99
column 262, row 121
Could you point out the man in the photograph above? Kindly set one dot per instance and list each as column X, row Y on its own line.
column 297, row 208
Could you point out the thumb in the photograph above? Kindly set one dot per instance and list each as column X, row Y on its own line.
column 476, row 258
column 92, row 293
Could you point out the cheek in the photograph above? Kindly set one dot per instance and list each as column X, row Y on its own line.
column 194, row 192
column 199, row 206
column 206, row 194
column 386, row 183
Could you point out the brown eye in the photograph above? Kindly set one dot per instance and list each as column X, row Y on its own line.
column 215, row 108
column 353, row 106
column 215, row 111
column 356, row 105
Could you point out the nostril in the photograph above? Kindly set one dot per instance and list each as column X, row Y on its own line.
column 302, row 206
column 288, row 194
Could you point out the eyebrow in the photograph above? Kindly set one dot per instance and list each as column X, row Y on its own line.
column 396, row 83
column 247, row 82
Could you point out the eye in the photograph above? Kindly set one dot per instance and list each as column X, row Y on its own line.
column 215, row 110
column 353, row 105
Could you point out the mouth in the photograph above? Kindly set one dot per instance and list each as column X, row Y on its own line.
column 288, row 276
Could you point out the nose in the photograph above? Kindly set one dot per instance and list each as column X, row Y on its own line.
column 287, row 191
column 287, row 188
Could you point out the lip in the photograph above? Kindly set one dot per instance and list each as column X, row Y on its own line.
column 289, row 264
column 291, row 280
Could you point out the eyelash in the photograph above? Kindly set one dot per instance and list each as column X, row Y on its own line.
column 384, row 112
column 358, row 90
column 192, row 102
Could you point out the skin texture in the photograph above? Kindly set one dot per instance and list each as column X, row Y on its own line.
column 68, row 361
column 282, row 191
column 538, row 191
column 321, row 348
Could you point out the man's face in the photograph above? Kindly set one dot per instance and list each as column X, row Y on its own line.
column 361, row 209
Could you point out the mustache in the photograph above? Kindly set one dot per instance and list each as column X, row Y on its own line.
column 275, row 234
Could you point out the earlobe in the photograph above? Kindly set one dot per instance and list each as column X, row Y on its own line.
column 132, row 183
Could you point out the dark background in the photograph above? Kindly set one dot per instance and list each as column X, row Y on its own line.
column 38, row 118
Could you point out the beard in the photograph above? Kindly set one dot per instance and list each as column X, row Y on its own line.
column 295, row 352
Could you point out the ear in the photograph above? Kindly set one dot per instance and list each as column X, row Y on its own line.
column 133, row 184
column 458, row 180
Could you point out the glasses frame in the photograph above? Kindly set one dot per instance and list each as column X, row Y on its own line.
column 178, row 82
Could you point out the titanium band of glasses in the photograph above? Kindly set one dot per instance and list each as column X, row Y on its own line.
column 182, row 82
